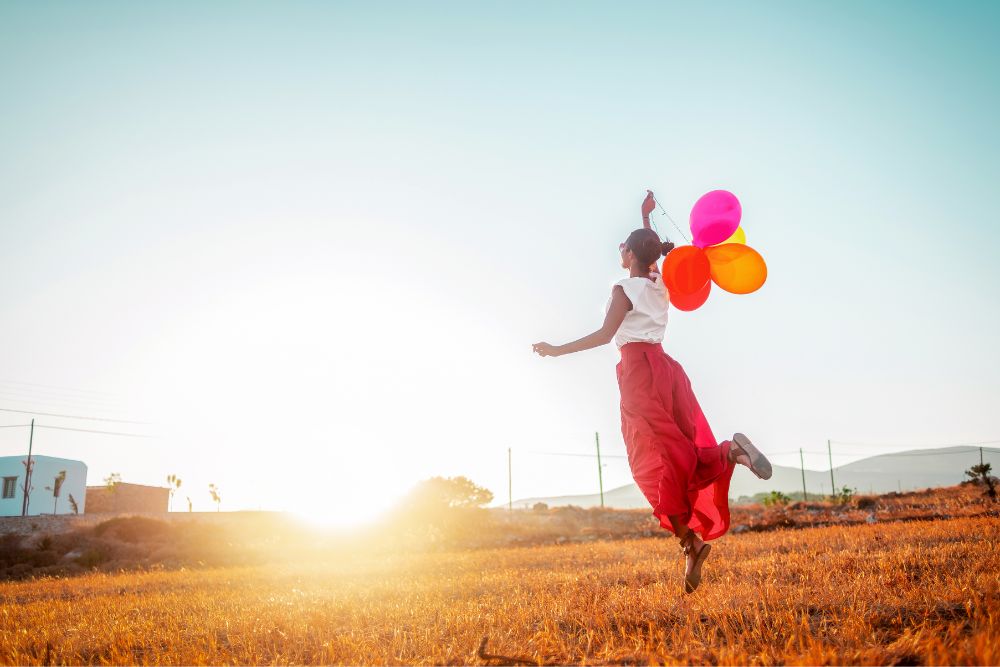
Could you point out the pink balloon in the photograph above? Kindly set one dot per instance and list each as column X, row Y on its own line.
column 714, row 217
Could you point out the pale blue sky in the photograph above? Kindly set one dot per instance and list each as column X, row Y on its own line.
column 333, row 230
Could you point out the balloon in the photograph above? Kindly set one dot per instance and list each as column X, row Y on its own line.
column 736, row 268
column 715, row 217
column 691, row 301
column 739, row 236
column 685, row 270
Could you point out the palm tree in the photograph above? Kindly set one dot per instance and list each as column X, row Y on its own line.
column 216, row 495
column 175, row 484
column 112, row 481
column 56, row 485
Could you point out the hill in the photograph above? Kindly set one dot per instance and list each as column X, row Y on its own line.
column 913, row 469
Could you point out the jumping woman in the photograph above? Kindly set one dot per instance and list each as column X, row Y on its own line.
column 675, row 460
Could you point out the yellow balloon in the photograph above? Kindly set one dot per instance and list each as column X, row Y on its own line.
column 739, row 236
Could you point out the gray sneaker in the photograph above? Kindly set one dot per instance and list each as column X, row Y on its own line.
column 758, row 462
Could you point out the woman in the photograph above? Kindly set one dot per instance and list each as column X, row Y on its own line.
column 675, row 460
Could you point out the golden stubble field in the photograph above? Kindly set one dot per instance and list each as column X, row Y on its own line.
column 923, row 592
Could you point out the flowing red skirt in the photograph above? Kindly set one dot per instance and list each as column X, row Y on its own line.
column 675, row 459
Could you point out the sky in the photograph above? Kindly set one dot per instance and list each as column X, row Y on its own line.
column 309, row 245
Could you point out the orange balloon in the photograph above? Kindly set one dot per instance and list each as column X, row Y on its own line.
column 691, row 301
column 686, row 270
column 736, row 268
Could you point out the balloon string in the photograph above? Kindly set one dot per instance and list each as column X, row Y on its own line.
column 664, row 212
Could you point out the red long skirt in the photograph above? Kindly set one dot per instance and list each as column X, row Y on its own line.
column 675, row 459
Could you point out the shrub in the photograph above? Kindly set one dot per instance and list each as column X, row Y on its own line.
column 981, row 474
column 19, row 571
column 133, row 529
column 866, row 502
column 91, row 558
column 776, row 498
column 844, row 496
column 10, row 549
column 44, row 558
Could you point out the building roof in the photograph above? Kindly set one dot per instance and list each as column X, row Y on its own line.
column 40, row 457
column 140, row 486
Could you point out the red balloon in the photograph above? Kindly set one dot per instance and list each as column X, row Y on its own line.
column 686, row 270
column 691, row 301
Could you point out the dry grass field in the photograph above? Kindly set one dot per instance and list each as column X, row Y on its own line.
column 919, row 592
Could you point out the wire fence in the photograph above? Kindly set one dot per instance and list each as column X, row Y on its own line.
column 974, row 453
column 823, row 452
column 835, row 448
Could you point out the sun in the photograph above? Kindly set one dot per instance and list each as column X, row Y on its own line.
column 344, row 515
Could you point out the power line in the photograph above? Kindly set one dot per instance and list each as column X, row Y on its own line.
column 53, row 414
column 57, row 388
column 589, row 456
column 80, row 430
column 806, row 451
column 34, row 405
column 33, row 397
column 64, row 393
column 87, row 430
column 59, row 400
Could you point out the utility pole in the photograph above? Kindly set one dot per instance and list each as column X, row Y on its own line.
column 510, row 485
column 829, row 452
column 980, row 456
column 27, row 471
column 600, row 475
column 802, row 463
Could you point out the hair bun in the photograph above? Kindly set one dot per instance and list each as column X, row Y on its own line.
column 666, row 248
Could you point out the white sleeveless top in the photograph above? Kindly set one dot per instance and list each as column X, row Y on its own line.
column 647, row 321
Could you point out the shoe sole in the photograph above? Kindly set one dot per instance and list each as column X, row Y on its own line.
column 692, row 580
column 758, row 462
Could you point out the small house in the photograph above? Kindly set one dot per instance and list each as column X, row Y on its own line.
column 124, row 497
column 56, row 486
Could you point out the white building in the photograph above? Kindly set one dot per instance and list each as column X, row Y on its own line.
column 41, row 497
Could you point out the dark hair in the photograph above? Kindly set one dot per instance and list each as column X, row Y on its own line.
column 646, row 245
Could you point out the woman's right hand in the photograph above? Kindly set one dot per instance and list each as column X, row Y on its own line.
column 545, row 350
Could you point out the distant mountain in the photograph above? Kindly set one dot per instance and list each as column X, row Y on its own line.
column 914, row 469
